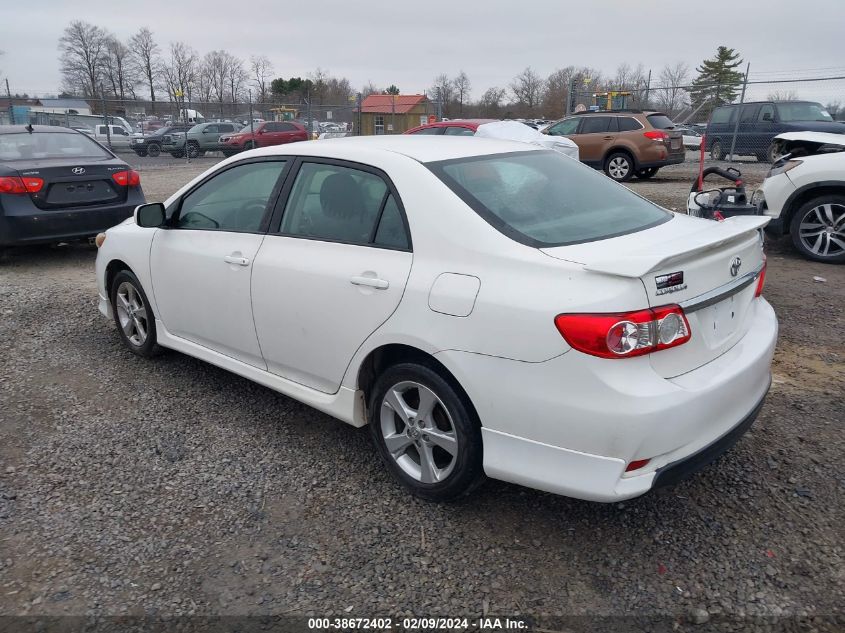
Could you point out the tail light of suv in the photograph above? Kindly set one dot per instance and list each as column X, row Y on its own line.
column 656, row 135
column 625, row 334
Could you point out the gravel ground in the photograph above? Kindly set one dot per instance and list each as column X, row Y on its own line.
column 171, row 487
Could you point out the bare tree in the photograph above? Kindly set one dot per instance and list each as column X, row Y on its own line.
column 181, row 72
column 462, row 86
column 118, row 69
column 318, row 84
column 217, row 65
column 145, row 58
column 370, row 89
column 262, row 70
column 491, row 101
column 557, row 92
column 835, row 109
column 783, row 95
column 236, row 78
column 527, row 89
column 82, row 47
column 443, row 90
column 671, row 94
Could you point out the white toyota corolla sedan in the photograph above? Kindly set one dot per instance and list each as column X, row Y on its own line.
column 487, row 307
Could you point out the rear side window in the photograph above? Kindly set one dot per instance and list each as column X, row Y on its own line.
column 286, row 127
column 456, row 130
column 342, row 204
column 542, row 198
column 628, row 124
column 748, row 114
column 660, row 121
column 721, row 115
column 429, row 130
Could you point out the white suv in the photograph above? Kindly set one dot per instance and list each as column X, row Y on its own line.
column 804, row 194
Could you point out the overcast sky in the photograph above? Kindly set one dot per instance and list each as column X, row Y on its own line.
column 408, row 43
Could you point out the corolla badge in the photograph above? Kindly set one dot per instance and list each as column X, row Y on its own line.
column 736, row 264
column 78, row 170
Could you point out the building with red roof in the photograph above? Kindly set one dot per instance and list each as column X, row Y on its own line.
column 394, row 114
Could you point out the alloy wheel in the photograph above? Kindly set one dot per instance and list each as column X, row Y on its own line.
column 132, row 313
column 618, row 167
column 822, row 230
column 418, row 432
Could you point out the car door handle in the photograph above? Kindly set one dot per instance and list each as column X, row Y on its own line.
column 240, row 261
column 608, row 138
column 372, row 282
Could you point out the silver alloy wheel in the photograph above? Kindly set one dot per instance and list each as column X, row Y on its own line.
column 822, row 230
column 132, row 313
column 418, row 432
column 618, row 167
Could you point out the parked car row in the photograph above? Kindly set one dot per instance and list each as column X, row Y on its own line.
column 623, row 143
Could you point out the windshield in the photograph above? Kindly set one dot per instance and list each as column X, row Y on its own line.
column 803, row 112
column 46, row 145
column 542, row 198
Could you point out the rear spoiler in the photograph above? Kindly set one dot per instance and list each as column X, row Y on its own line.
column 636, row 263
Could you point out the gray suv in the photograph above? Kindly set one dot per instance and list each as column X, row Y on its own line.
column 203, row 137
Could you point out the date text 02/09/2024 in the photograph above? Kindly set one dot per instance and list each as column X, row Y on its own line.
column 418, row 624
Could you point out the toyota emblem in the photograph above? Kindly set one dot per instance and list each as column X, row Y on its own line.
column 78, row 170
column 735, row 266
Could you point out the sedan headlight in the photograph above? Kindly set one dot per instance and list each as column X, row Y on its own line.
column 782, row 168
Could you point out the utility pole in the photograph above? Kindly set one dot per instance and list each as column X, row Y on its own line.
column 359, row 100
column 105, row 116
column 647, row 88
column 251, row 123
column 568, row 106
column 739, row 112
column 11, row 107
column 393, row 113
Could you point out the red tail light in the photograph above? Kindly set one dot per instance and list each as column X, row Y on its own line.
column 128, row 178
column 625, row 334
column 16, row 185
column 656, row 135
column 761, row 279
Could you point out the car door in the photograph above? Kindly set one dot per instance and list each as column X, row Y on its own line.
column 765, row 128
column 287, row 132
column 272, row 134
column 223, row 129
column 331, row 270
column 595, row 137
column 745, row 133
column 207, row 138
column 201, row 264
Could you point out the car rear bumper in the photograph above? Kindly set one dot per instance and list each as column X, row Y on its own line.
column 572, row 424
column 37, row 226
column 671, row 159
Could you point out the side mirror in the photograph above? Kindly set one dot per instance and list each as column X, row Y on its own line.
column 150, row 216
column 261, row 131
column 767, row 116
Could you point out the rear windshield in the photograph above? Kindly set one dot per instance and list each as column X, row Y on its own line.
column 542, row 198
column 660, row 121
column 47, row 145
column 802, row 112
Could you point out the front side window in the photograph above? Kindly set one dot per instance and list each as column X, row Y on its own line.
column 340, row 204
column 542, row 198
column 767, row 113
column 595, row 124
column 429, row 130
column 211, row 129
column 567, row 126
column 233, row 200
column 46, row 145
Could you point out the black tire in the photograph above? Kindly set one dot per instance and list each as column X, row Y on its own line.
column 248, row 145
column 716, row 151
column 148, row 347
column 645, row 174
column 464, row 472
column 772, row 153
column 193, row 150
column 153, row 149
column 141, row 152
column 228, row 153
column 808, row 214
column 177, row 154
column 619, row 166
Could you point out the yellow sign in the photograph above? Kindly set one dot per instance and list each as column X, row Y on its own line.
column 178, row 93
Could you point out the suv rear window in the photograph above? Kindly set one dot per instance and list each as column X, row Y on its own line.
column 660, row 121
column 542, row 198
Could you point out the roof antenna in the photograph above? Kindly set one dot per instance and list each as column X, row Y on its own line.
column 29, row 128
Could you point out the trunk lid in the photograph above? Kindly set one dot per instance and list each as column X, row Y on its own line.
column 715, row 290
column 67, row 185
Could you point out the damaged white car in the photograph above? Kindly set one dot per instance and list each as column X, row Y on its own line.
column 804, row 194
